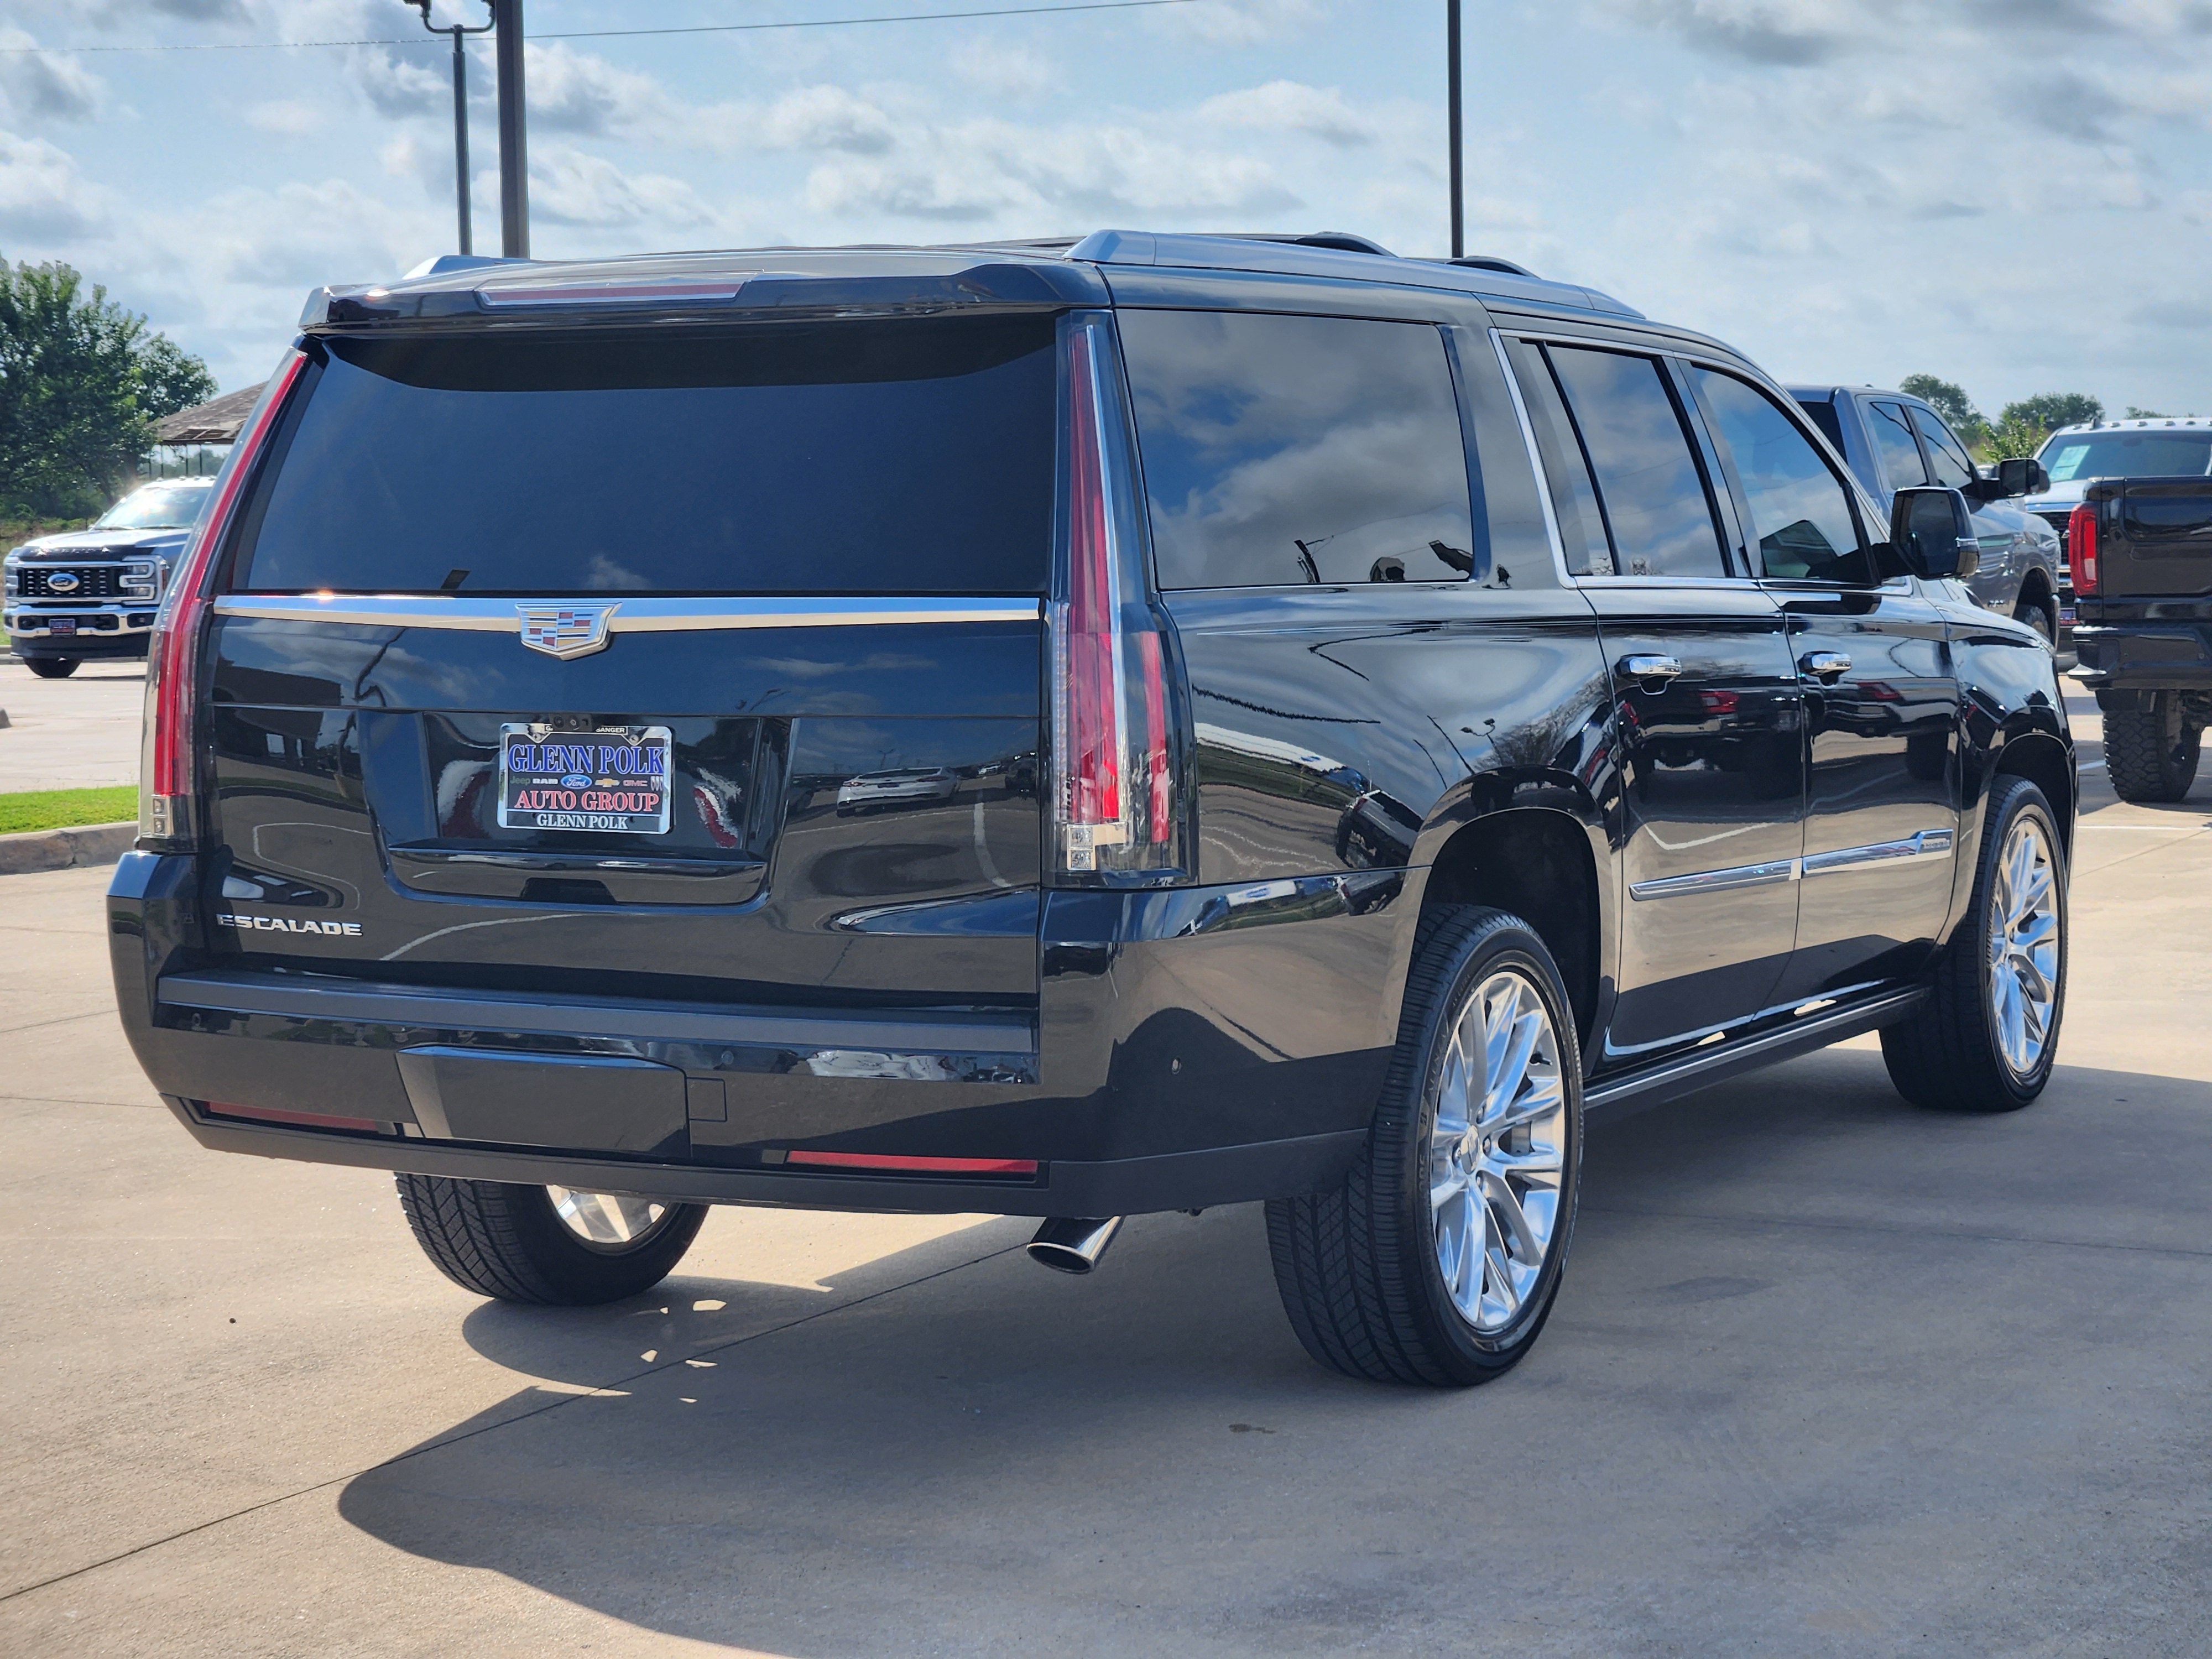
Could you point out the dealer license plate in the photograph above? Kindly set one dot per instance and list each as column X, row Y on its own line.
column 61, row 625
column 612, row 779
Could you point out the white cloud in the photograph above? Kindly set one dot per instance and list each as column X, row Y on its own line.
column 1290, row 106
column 290, row 117
column 1002, row 71
column 571, row 187
column 827, row 118
column 44, row 198
column 1242, row 22
column 572, row 91
column 45, row 86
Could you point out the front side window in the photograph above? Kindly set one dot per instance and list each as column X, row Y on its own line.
column 1953, row 470
column 1800, row 513
column 1286, row 450
column 1649, row 486
column 1900, row 456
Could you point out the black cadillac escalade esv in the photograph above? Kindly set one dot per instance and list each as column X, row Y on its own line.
column 1063, row 730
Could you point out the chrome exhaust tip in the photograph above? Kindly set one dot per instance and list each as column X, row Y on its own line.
column 1073, row 1244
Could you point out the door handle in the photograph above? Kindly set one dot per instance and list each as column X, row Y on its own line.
column 1825, row 666
column 1650, row 668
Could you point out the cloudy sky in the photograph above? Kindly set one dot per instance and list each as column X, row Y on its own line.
column 2015, row 194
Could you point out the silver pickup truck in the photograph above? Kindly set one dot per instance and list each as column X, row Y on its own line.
column 94, row 592
column 1894, row 442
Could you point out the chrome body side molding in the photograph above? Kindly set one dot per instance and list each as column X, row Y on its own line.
column 1715, row 881
column 641, row 614
column 1926, row 843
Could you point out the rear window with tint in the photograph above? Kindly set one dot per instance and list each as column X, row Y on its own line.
column 910, row 457
column 1281, row 450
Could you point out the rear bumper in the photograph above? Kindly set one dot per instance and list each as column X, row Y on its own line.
column 2144, row 656
column 1191, row 1048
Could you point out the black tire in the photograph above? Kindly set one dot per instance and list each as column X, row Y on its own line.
column 506, row 1241
column 1357, row 1267
column 2151, row 754
column 1948, row 1056
column 2037, row 615
column 52, row 668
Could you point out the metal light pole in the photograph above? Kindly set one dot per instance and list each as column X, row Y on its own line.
column 460, row 115
column 514, row 164
column 1458, row 184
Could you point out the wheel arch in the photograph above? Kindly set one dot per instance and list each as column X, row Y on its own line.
column 1539, row 862
column 2048, row 765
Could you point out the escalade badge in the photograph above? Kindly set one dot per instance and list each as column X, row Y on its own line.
column 565, row 630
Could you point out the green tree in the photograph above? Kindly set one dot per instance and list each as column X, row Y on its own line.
column 2014, row 435
column 1948, row 399
column 170, row 377
column 2134, row 413
column 2052, row 410
column 80, row 382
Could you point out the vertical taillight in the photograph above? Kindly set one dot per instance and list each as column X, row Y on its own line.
column 168, row 769
column 2081, row 548
column 1113, row 723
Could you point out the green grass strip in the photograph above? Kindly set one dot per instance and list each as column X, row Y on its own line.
column 59, row 809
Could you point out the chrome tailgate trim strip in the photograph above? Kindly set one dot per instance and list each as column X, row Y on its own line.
column 624, row 615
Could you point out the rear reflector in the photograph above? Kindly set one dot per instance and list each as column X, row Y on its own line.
column 296, row 1120
column 1000, row 1166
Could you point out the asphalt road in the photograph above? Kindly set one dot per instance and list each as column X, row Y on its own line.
column 77, row 733
column 1831, row 1375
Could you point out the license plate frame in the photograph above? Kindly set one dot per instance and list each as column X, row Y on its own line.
column 62, row 627
column 605, row 779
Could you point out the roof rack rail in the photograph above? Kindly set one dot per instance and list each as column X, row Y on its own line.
column 1491, row 262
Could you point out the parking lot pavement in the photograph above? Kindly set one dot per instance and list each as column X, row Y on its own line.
column 77, row 733
column 1829, row 1375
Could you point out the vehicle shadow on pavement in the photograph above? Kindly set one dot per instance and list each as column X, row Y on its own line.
column 1020, row 1452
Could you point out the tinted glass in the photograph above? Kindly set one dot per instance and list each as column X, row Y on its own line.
column 1953, row 470
column 1801, row 513
column 1900, row 456
column 1822, row 413
column 1280, row 450
column 1574, row 499
column 157, row 507
column 1649, row 486
column 909, row 456
column 2151, row 455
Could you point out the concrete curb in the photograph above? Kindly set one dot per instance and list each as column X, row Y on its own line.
column 64, row 849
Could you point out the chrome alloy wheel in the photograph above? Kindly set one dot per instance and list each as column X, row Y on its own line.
column 1498, row 1150
column 607, row 1221
column 2023, row 979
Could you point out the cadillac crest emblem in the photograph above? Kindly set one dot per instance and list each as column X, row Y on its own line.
column 565, row 630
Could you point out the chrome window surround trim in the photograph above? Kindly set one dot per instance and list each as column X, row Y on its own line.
column 624, row 615
column 1535, row 459
column 1871, row 513
column 1925, row 843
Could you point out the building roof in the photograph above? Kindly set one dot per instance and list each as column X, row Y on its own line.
column 216, row 421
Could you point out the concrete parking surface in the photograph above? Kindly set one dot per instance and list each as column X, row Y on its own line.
column 77, row 733
column 1829, row 1375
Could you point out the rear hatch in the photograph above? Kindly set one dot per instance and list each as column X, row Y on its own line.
column 696, row 664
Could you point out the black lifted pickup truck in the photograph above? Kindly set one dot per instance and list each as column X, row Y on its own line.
column 2142, row 554
column 1325, row 721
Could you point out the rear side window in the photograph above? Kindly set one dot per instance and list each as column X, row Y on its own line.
column 1284, row 450
column 910, row 457
column 1801, row 513
column 1900, row 456
column 1649, row 485
column 1574, row 498
column 1953, row 470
